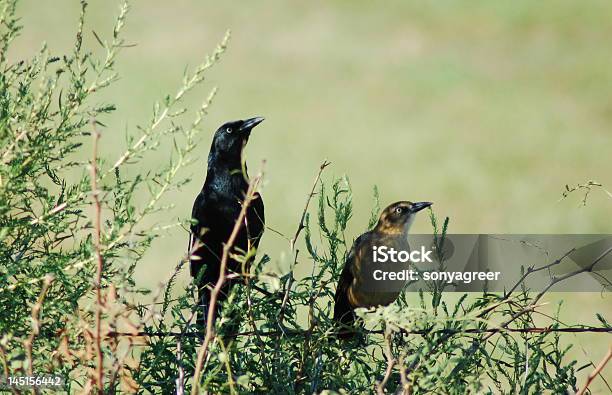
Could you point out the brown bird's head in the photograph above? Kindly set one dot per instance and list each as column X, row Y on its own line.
column 398, row 217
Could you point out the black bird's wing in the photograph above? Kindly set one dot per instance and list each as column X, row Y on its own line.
column 197, row 228
column 213, row 234
column 255, row 220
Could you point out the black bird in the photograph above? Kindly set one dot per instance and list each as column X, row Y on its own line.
column 216, row 210
column 354, row 290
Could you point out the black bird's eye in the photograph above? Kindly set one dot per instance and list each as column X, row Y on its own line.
column 399, row 210
column 228, row 130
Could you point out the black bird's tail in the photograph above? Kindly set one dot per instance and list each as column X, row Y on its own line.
column 206, row 277
column 204, row 300
column 203, row 303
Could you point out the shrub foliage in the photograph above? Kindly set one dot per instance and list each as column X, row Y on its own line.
column 71, row 307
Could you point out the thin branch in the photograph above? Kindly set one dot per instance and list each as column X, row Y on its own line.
column 180, row 380
column 5, row 366
column 380, row 386
column 574, row 273
column 29, row 342
column 534, row 302
column 531, row 306
column 587, row 187
column 530, row 270
column 597, row 371
column 303, row 217
column 301, row 226
column 281, row 312
column 405, row 385
column 299, row 333
column 99, row 377
column 251, row 319
column 586, row 354
column 312, row 325
column 228, row 368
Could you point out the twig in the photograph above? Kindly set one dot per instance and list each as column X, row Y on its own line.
column 587, row 187
column 531, row 306
column 5, row 156
column 252, row 321
column 5, row 366
column 300, row 333
column 574, row 273
column 554, row 281
column 380, row 386
column 29, row 342
column 99, row 378
column 586, row 354
column 281, row 312
column 597, row 371
column 314, row 185
column 228, row 368
column 312, row 324
column 220, row 281
column 301, row 226
column 405, row 386
column 529, row 271
column 180, row 380
column 289, row 284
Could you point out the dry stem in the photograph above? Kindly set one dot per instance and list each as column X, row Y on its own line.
column 597, row 371
column 301, row 226
column 99, row 377
column 29, row 342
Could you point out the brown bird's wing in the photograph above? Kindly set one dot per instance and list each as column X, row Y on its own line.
column 343, row 310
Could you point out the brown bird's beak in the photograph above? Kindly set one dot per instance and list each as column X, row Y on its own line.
column 251, row 123
column 418, row 206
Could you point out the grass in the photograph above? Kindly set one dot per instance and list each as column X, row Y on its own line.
column 486, row 109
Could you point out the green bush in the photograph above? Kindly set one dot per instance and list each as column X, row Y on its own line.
column 72, row 233
column 49, row 111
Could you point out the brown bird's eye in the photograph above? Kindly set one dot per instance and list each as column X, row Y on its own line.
column 399, row 210
column 228, row 130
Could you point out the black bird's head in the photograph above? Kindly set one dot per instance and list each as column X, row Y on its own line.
column 398, row 217
column 231, row 137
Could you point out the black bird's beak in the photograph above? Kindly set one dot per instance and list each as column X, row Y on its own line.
column 251, row 123
column 418, row 206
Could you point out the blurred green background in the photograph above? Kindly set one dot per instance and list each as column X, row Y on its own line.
column 487, row 109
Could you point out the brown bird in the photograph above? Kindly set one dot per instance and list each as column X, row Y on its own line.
column 356, row 287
